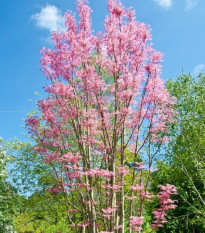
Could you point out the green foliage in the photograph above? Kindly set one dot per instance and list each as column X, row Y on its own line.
column 23, row 223
column 36, row 210
column 26, row 223
column 185, row 156
column 6, row 194
column 42, row 212
column 61, row 226
column 28, row 172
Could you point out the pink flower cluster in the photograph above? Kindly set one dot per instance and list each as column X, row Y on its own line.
column 165, row 204
column 136, row 223
column 107, row 213
column 98, row 172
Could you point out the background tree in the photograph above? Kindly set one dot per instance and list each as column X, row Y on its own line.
column 6, row 194
column 185, row 166
column 105, row 97
column 35, row 210
column 28, row 172
column 42, row 212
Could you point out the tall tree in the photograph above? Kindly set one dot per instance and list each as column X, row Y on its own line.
column 106, row 97
column 185, row 167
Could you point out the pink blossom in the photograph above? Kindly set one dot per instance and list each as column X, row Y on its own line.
column 165, row 204
column 122, row 170
column 72, row 210
column 137, row 187
column 136, row 223
column 54, row 191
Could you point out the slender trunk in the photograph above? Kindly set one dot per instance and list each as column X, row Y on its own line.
column 113, row 201
column 122, row 198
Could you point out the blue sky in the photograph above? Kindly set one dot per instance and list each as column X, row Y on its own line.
column 178, row 31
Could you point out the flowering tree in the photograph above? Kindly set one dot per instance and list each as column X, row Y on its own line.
column 104, row 121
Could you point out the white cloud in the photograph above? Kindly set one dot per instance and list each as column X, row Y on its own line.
column 190, row 4
column 164, row 3
column 199, row 69
column 49, row 18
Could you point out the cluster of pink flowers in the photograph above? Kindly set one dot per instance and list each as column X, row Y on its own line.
column 54, row 191
column 136, row 223
column 107, row 213
column 122, row 170
column 165, row 204
column 137, row 187
column 98, row 172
